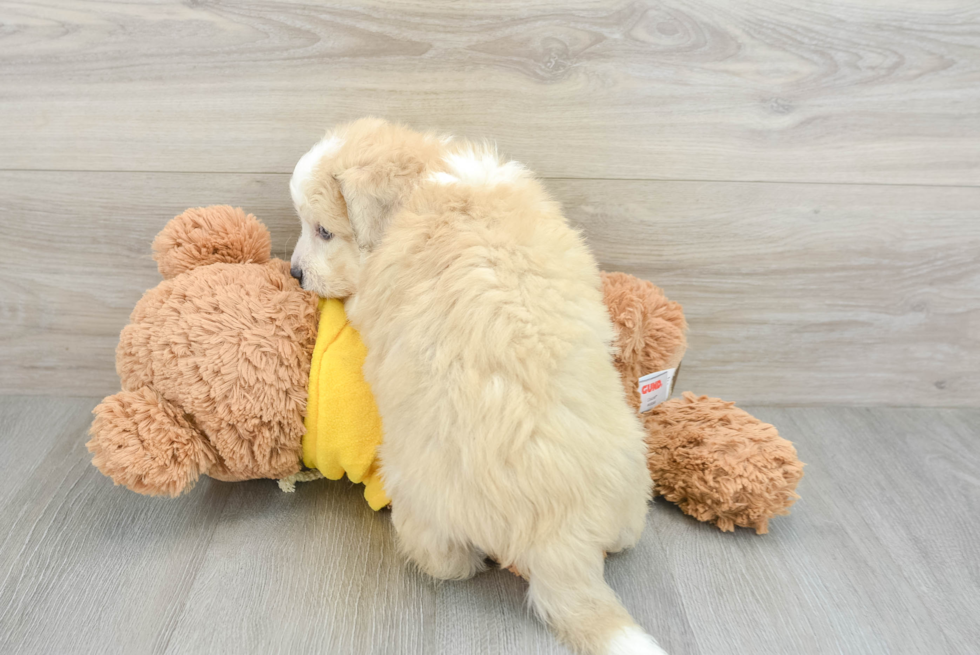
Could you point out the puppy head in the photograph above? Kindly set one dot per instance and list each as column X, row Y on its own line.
column 345, row 190
column 326, row 258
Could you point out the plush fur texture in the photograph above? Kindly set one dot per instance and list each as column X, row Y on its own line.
column 718, row 463
column 144, row 442
column 507, row 432
column 651, row 330
column 210, row 235
column 721, row 464
column 214, row 364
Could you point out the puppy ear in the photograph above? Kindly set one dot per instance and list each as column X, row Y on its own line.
column 372, row 195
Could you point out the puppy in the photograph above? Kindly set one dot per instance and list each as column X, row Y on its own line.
column 507, row 433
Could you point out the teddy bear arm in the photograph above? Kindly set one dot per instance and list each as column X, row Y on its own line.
column 145, row 443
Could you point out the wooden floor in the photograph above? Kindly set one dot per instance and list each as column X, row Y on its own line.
column 879, row 556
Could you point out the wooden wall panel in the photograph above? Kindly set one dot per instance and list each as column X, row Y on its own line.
column 796, row 293
column 832, row 91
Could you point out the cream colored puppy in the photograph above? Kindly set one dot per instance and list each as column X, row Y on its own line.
column 507, row 433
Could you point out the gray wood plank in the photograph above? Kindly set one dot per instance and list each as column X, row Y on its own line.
column 865, row 564
column 835, row 91
column 490, row 614
column 796, row 293
column 879, row 556
column 311, row 572
column 29, row 429
column 86, row 567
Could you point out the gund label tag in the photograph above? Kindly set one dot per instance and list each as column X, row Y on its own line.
column 656, row 388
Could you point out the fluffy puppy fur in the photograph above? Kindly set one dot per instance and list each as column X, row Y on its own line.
column 507, row 432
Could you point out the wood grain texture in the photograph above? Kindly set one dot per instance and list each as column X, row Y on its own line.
column 886, row 496
column 84, row 568
column 328, row 581
column 805, row 294
column 833, row 91
column 796, row 294
column 878, row 557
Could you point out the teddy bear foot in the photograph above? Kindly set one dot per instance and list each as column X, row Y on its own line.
column 719, row 463
column 143, row 442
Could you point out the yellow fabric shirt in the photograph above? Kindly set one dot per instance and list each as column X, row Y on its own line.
column 343, row 427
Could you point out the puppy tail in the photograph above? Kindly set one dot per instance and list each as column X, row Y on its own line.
column 568, row 592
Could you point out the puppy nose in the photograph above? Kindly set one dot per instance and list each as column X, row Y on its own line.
column 297, row 273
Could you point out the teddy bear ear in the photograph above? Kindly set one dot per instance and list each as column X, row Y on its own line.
column 210, row 235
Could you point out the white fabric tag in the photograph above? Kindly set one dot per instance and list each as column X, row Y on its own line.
column 655, row 388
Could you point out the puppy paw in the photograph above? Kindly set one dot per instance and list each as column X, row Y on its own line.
column 454, row 564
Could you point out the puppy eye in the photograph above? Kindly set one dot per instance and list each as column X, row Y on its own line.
column 323, row 233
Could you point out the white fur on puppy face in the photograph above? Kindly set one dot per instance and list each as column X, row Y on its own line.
column 350, row 184
column 305, row 168
column 329, row 265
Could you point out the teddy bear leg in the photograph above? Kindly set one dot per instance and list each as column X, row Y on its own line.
column 434, row 551
column 143, row 442
column 719, row 463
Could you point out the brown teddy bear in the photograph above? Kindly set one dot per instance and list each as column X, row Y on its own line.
column 717, row 462
column 214, row 363
column 216, row 368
